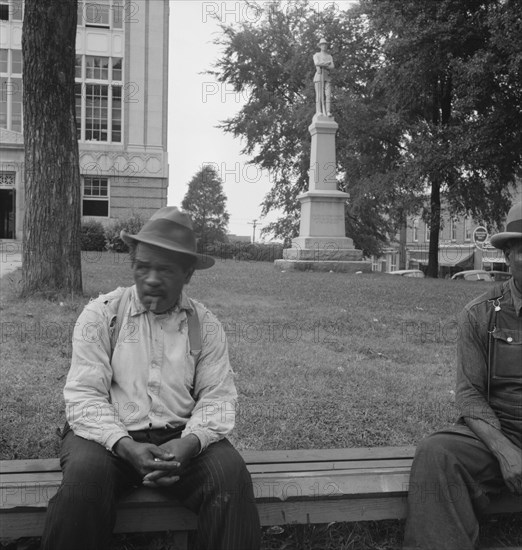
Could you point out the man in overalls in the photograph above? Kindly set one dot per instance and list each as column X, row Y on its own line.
column 456, row 470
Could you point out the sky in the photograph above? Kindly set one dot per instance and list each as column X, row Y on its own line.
column 197, row 103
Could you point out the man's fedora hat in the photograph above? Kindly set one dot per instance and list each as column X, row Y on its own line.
column 171, row 229
column 513, row 227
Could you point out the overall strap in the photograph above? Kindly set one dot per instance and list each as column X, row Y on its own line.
column 497, row 295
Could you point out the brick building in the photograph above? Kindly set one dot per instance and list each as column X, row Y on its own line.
column 457, row 249
column 121, row 109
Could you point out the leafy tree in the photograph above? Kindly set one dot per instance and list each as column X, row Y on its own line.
column 206, row 203
column 51, row 250
column 450, row 79
column 427, row 97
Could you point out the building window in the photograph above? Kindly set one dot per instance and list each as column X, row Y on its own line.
column 426, row 232
column 95, row 200
column 96, row 120
column 453, row 235
column 11, row 11
column 99, row 98
column 416, row 230
column 116, row 114
column 96, row 68
column 107, row 14
column 3, row 102
column 78, row 67
column 11, row 90
column 16, row 61
column 17, row 10
column 467, row 230
column 4, row 60
column 16, row 104
column 96, row 15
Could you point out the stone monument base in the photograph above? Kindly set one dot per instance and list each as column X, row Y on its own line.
column 322, row 248
column 323, row 254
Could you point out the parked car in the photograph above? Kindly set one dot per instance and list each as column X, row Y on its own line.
column 407, row 273
column 473, row 275
column 500, row 276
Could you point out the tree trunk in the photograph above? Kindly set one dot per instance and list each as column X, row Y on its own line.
column 51, row 260
column 442, row 95
column 433, row 252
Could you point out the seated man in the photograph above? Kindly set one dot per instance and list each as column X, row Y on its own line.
column 149, row 398
column 455, row 470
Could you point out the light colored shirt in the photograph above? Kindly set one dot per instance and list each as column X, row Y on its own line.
column 150, row 380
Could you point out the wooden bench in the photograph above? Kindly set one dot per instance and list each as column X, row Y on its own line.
column 304, row 486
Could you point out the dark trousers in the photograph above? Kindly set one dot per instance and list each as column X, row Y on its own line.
column 451, row 479
column 216, row 485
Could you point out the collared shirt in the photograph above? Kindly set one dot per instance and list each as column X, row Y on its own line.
column 150, row 379
column 499, row 311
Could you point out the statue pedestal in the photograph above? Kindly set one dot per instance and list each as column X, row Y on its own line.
column 322, row 244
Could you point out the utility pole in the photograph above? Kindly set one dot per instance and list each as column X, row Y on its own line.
column 254, row 223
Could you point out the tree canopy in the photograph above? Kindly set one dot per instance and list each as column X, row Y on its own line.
column 205, row 201
column 427, row 95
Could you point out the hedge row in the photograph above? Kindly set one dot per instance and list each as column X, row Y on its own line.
column 251, row 252
column 95, row 236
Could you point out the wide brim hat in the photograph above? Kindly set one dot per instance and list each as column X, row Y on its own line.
column 513, row 228
column 171, row 229
column 322, row 41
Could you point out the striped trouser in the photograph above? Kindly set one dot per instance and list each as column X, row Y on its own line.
column 216, row 485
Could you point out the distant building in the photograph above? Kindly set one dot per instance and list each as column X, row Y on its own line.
column 457, row 249
column 121, row 109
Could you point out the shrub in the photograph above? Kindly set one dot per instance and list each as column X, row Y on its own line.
column 216, row 249
column 240, row 251
column 260, row 252
column 131, row 225
column 92, row 236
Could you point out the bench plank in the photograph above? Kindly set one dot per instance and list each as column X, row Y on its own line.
column 271, row 486
column 28, row 522
column 327, row 455
column 303, row 486
column 30, row 465
column 49, row 474
column 251, row 457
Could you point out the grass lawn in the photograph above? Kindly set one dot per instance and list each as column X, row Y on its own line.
column 322, row 360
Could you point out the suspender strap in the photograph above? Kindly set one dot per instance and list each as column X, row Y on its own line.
column 194, row 332
column 118, row 322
